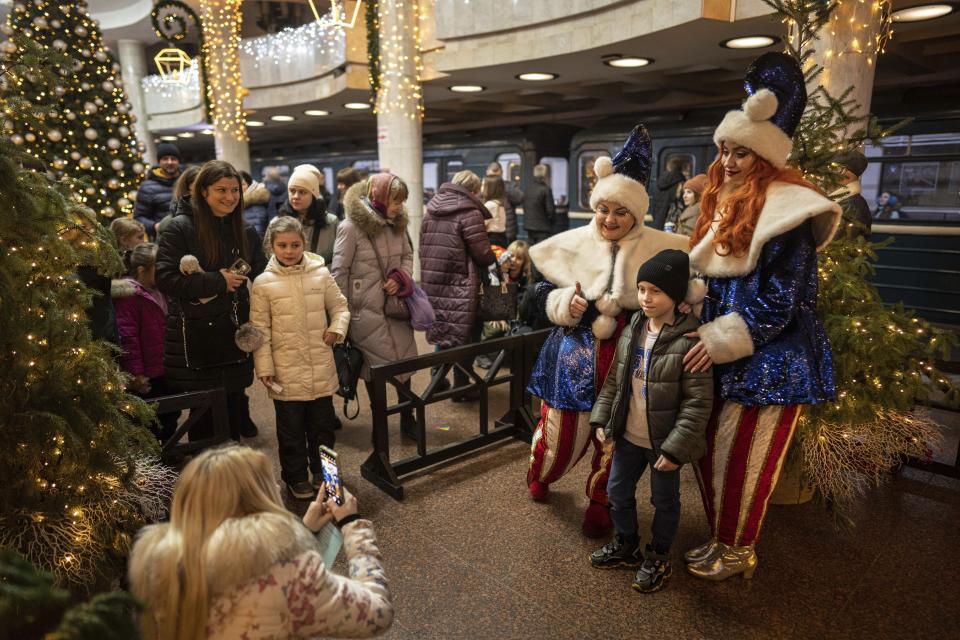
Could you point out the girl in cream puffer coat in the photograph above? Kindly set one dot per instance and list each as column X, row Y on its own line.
column 291, row 303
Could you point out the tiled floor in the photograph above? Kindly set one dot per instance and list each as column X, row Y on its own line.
column 469, row 555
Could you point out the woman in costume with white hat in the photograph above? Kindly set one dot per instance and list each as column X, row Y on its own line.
column 588, row 295
column 756, row 242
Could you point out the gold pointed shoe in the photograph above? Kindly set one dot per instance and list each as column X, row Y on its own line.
column 706, row 550
column 728, row 563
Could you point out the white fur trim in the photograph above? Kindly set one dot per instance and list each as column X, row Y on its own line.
column 727, row 338
column 558, row 307
column 608, row 305
column 604, row 327
column 583, row 255
column 603, row 166
column 624, row 191
column 787, row 206
column 696, row 291
column 764, row 138
column 761, row 106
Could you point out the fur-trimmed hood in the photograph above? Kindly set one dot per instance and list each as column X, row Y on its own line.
column 367, row 219
column 256, row 194
column 787, row 206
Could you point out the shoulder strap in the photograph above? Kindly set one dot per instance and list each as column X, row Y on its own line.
column 377, row 253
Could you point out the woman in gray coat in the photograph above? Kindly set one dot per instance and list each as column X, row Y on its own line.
column 371, row 244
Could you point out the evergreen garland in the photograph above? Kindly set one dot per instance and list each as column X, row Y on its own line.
column 372, row 16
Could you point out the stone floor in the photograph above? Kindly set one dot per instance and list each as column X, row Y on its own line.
column 469, row 555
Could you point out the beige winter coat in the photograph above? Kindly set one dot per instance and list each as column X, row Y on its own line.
column 359, row 275
column 290, row 306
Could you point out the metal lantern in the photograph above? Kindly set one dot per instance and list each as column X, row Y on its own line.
column 172, row 64
column 340, row 12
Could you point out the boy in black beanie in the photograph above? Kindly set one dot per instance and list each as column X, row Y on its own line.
column 657, row 415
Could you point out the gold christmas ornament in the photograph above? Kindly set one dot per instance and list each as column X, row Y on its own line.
column 172, row 63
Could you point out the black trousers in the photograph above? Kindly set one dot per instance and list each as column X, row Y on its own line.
column 302, row 426
column 237, row 411
column 533, row 237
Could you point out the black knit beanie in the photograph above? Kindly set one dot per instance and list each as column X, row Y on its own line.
column 165, row 149
column 669, row 270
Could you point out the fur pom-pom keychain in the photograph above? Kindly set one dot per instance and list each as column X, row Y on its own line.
column 189, row 264
column 248, row 338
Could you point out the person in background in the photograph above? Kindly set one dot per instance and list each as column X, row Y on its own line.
column 141, row 313
column 278, row 191
column 156, row 191
column 539, row 210
column 181, row 196
column 346, row 178
column 128, row 232
column 100, row 315
column 517, row 268
column 692, row 190
column 307, row 205
column 493, row 196
column 256, row 197
column 324, row 191
column 888, row 207
column 561, row 221
column 856, row 212
column 298, row 308
column 454, row 254
column 232, row 562
column 513, row 199
column 665, row 195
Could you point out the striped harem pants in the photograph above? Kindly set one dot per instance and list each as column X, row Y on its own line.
column 746, row 448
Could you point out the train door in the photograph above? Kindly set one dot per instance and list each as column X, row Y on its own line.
column 557, row 179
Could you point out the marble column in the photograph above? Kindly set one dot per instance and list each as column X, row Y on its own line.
column 221, row 21
column 133, row 68
column 399, row 103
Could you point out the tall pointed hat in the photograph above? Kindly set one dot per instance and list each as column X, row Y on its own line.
column 624, row 178
column 771, row 113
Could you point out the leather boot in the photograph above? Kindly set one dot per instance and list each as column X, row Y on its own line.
column 729, row 562
column 702, row 552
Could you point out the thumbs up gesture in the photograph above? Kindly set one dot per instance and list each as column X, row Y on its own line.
column 578, row 305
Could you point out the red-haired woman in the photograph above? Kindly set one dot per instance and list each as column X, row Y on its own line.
column 756, row 241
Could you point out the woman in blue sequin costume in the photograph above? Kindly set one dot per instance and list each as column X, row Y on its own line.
column 755, row 241
column 588, row 295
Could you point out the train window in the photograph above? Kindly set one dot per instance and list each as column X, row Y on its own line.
column 453, row 168
column 328, row 174
column 586, row 178
column 922, row 190
column 688, row 162
column 558, row 176
column 431, row 172
column 370, row 166
column 512, row 167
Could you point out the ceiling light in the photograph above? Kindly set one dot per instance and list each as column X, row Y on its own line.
column 467, row 88
column 185, row 134
column 282, row 118
column 627, row 63
column 254, row 123
column 357, row 106
column 209, row 132
column 316, row 112
column 536, row 77
column 923, row 12
column 169, row 138
column 749, row 42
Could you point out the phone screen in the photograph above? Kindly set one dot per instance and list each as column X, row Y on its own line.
column 240, row 267
column 331, row 473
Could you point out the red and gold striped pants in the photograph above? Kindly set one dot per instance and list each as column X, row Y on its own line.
column 746, row 448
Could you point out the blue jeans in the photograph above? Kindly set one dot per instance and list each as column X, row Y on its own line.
column 629, row 462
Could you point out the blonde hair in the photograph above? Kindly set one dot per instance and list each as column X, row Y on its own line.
column 468, row 180
column 521, row 249
column 125, row 228
column 219, row 484
column 282, row 224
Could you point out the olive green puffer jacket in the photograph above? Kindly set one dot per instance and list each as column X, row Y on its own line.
column 678, row 402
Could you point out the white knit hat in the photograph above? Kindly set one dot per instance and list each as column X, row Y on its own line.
column 306, row 176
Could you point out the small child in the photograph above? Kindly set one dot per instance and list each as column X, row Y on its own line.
column 128, row 232
column 141, row 313
column 290, row 303
column 657, row 414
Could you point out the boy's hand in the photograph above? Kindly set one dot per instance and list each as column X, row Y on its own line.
column 664, row 464
column 578, row 305
column 330, row 338
column 601, row 435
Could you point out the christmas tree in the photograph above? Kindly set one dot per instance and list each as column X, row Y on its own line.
column 79, row 470
column 883, row 355
column 87, row 133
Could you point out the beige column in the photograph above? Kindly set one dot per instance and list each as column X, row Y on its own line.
column 133, row 68
column 221, row 31
column 400, row 103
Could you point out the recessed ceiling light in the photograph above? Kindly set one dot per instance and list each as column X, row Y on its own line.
column 536, row 77
column 185, row 134
column 467, row 88
column 169, row 138
column 209, row 132
column 357, row 106
column 254, row 123
column 628, row 62
column 316, row 112
column 923, row 12
column 749, row 42
column 282, row 118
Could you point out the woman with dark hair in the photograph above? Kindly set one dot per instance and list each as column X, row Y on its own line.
column 494, row 199
column 197, row 268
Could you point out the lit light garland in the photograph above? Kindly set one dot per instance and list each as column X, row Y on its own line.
column 222, row 20
column 188, row 86
column 323, row 36
column 400, row 90
column 880, row 14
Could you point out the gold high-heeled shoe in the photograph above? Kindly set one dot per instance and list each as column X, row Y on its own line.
column 730, row 562
column 706, row 550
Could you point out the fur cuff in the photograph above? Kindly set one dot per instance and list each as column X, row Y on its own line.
column 608, row 305
column 727, row 338
column 604, row 327
column 696, row 292
column 558, row 307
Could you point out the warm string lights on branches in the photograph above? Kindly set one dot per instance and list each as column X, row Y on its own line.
column 399, row 62
column 222, row 21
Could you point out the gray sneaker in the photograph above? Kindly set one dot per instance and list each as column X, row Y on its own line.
column 653, row 573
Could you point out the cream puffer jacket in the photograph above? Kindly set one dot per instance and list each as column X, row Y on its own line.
column 290, row 306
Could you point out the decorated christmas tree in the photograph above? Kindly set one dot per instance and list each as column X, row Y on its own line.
column 883, row 355
column 87, row 133
column 79, row 471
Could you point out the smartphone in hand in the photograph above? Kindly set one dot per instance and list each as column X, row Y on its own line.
column 331, row 473
column 240, row 267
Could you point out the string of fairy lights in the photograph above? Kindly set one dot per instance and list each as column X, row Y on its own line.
column 399, row 61
column 222, row 21
column 321, row 36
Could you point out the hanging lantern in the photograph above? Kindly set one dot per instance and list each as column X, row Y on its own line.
column 341, row 14
column 172, row 63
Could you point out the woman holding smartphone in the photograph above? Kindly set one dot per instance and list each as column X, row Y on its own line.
column 210, row 300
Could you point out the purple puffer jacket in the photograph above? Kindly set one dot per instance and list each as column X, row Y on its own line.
column 453, row 244
column 141, row 322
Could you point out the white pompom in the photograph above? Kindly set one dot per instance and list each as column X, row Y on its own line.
column 696, row 292
column 603, row 166
column 189, row 264
column 604, row 327
column 608, row 305
column 761, row 105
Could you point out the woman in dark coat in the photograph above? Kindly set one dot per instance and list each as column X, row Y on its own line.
column 454, row 247
column 665, row 195
column 212, row 231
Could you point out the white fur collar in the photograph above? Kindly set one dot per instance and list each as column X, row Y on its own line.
column 787, row 207
column 583, row 255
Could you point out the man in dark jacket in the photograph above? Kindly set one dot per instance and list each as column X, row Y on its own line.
column 667, row 192
column 856, row 212
column 538, row 208
column 156, row 191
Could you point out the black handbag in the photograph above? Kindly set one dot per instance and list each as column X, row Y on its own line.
column 349, row 362
column 498, row 301
column 208, row 340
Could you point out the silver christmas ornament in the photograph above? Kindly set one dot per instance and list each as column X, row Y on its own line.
column 107, row 86
column 74, row 155
column 137, row 167
column 86, row 163
column 59, row 45
column 113, row 183
column 91, row 134
column 124, row 202
column 116, row 164
column 109, row 212
column 71, row 115
column 101, row 56
column 40, row 22
column 30, row 137
column 80, row 30
column 113, row 143
column 124, row 131
column 16, row 138
column 54, row 135
column 85, row 86
column 58, row 164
